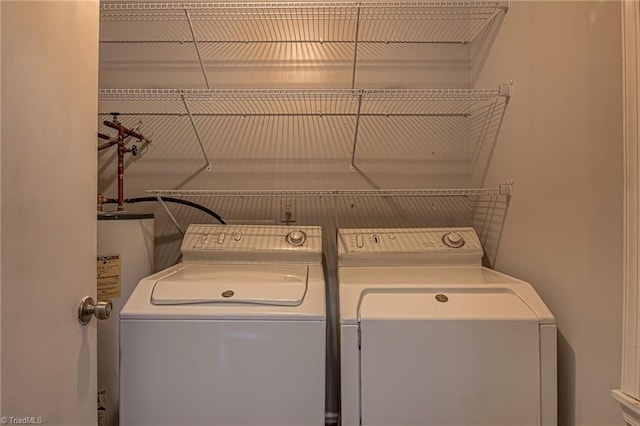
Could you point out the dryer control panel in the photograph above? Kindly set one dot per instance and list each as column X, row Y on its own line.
column 408, row 246
column 252, row 243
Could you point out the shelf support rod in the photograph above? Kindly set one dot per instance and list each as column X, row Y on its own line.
column 482, row 137
column 195, row 44
column 171, row 216
column 355, row 48
column 352, row 166
column 195, row 130
column 504, row 91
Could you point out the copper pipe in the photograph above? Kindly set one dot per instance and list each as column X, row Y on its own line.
column 123, row 130
column 121, row 150
column 123, row 133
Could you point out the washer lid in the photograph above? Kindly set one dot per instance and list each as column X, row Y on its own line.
column 280, row 285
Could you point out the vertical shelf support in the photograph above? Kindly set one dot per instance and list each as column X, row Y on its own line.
column 352, row 166
column 195, row 44
column 171, row 216
column 355, row 48
column 482, row 135
column 504, row 91
column 195, row 130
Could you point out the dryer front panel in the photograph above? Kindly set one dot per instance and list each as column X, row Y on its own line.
column 437, row 364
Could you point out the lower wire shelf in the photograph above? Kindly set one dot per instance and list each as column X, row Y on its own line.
column 502, row 190
column 484, row 209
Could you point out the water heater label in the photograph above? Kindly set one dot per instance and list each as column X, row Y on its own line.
column 109, row 277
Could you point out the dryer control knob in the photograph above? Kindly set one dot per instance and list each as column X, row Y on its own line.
column 453, row 240
column 296, row 238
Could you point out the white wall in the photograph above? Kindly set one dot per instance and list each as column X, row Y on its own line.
column 561, row 142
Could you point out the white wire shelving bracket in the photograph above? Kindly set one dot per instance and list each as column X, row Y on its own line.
column 505, row 190
column 505, row 90
column 197, row 133
column 352, row 165
column 171, row 216
column 355, row 47
column 194, row 37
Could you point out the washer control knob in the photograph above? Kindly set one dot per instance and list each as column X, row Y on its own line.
column 453, row 240
column 296, row 238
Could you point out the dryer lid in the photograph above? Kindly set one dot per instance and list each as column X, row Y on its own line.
column 445, row 303
column 279, row 285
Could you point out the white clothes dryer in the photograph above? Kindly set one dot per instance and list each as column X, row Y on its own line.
column 234, row 335
column 429, row 337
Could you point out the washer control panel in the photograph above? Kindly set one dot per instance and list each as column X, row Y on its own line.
column 413, row 245
column 251, row 242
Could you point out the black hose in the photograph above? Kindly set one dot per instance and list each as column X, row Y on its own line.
column 171, row 200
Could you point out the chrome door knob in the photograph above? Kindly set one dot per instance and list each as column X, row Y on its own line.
column 88, row 308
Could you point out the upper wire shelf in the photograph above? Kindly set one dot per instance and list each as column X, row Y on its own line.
column 320, row 102
column 365, row 22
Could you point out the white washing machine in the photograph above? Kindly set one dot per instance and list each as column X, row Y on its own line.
column 233, row 335
column 430, row 337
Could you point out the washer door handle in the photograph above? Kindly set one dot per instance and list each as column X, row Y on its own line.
column 88, row 308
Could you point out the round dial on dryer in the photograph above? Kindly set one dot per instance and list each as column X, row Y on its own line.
column 296, row 238
column 453, row 240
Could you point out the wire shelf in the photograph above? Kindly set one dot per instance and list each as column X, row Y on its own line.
column 502, row 190
column 247, row 102
column 212, row 94
column 345, row 22
column 351, row 107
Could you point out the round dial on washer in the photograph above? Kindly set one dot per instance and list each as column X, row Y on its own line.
column 296, row 238
column 453, row 240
